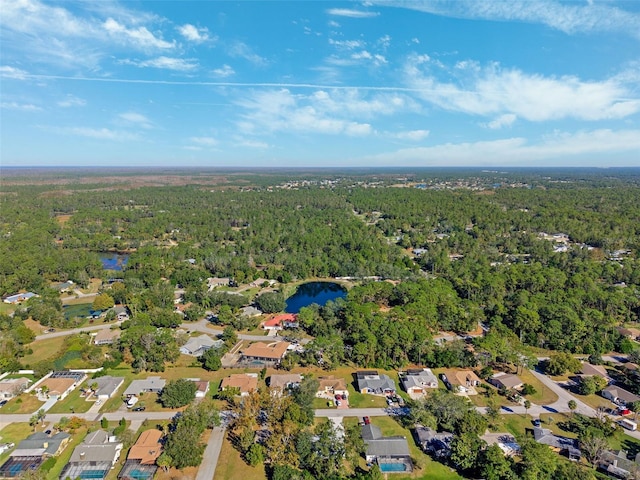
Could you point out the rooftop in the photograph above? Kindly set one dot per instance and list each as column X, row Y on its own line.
column 147, row 448
column 245, row 382
column 275, row 350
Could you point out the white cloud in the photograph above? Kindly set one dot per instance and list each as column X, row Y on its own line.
column 275, row 111
column 549, row 150
column 242, row 50
column 224, row 71
column 249, row 143
column 412, row 135
column 348, row 12
column 333, row 24
column 192, row 147
column 11, row 72
column 96, row 133
column 139, row 37
column 347, row 44
column 72, row 101
column 25, row 107
column 193, row 34
column 204, row 141
column 505, row 120
column 494, row 91
column 136, row 119
column 568, row 17
column 375, row 58
column 168, row 63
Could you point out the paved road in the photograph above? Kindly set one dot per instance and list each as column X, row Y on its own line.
column 351, row 412
column 207, row 468
column 73, row 331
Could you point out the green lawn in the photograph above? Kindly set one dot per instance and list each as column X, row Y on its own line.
column 25, row 403
column 13, row 433
column 231, row 466
column 74, row 403
column 46, row 349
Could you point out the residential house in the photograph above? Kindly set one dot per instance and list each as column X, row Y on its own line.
column 461, row 381
column 417, row 382
column 630, row 333
column 589, row 370
column 107, row 336
column 202, row 387
column 267, row 354
column 434, row 443
column 244, row 382
column 506, row 381
column 564, row 445
column 107, row 386
column 32, row 451
column 19, row 297
column 196, row 346
column 258, row 282
column 94, row 457
column 250, row 311
column 12, row 387
column 330, row 386
column 215, row 282
column 619, row 396
column 617, row 464
column 285, row 381
column 141, row 461
column 149, row 384
column 59, row 384
column 370, row 381
column 121, row 313
column 390, row 453
column 280, row 322
column 63, row 287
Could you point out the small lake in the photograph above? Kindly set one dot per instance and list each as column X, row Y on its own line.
column 314, row 292
column 114, row 261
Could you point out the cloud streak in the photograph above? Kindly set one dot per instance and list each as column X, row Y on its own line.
column 570, row 17
column 351, row 13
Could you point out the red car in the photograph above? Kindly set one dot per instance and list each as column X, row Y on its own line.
column 624, row 411
column 366, row 420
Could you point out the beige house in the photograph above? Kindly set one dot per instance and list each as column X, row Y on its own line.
column 461, row 381
column 12, row 387
column 245, row 382
column 330, row 386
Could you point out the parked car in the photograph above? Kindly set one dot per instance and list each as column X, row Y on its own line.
column 366, row 420
column 139, row 409
column 537, row 422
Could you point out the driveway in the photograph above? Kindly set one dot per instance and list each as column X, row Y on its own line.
column 207, row 468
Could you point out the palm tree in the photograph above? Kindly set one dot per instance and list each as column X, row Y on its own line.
column 572, row 404
column 527, row 406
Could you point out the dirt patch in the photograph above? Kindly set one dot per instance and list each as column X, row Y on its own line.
column 62, row 219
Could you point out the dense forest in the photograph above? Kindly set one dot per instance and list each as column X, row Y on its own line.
column 457, row 251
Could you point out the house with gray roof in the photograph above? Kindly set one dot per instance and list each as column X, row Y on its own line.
column 618, row 464
column 390, row 453
column 417, row 382
column 370, row 381
column 32, row 451
column 149, row 384
column 506, row 381
column 568, row 446
column 619, row 396
column 435, row 443
column 107, row 386
column 196, row 346
column 94, row 457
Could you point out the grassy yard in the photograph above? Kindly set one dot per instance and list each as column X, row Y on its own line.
column 46, row 349
column 231, row 466
column 425, row 467
column 64, row 457
column 543, row 395
column 25, row 403
column 74, row 403
column 13, row 433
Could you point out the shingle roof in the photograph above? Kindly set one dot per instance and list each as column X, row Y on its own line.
column 275, row 350
column 107, row 385
column 147, row 448
column 38, row 440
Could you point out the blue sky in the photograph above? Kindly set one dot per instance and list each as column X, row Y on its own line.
column 267, row 84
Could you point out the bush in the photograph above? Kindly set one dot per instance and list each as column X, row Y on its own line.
column 528, row 389
column 178, row 393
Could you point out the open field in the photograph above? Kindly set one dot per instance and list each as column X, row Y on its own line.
column 231, row 466
column 13, row 433
column 43, row 350
column 25, row 403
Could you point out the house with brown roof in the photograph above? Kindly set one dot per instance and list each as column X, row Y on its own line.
column 285, row 381
column 330, row 386
column 245, row 382
column 261, row 353
column 506, row 381
column 630, row 333
column 589, row 370
column 202, row 387
column 461, row 381
column 59, row 384
column 141, row 461
column 107, row 336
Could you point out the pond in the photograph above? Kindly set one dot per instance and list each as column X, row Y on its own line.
column 81, row 310
column 314, row 292
column 114, row 261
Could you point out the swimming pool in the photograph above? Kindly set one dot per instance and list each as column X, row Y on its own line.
column 392, row 467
